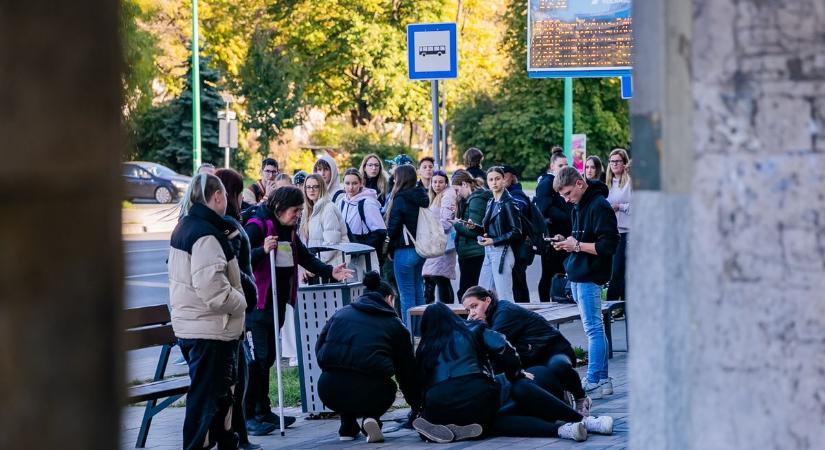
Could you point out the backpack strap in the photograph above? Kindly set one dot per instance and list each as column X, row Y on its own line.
column 363, row 216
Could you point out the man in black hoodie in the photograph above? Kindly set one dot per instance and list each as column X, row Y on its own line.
column 521, row 293
column 591, row 247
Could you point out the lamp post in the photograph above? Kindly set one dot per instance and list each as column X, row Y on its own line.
column 196, row 92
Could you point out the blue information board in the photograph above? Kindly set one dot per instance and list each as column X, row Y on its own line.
column 432, row 53
column 627, row 87
column 579, row 38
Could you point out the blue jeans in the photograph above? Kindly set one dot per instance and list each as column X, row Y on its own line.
column 589, row 298
column 408, row 266
column 491, row 278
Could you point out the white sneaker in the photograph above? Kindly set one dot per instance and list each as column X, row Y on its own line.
column 439, row 434
column 592, row 390
column 573, row 431
column 607, row 386
column 598, row 425
column 373, row 431
column 583, row 406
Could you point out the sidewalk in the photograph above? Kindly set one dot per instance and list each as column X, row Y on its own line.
column 165, row 432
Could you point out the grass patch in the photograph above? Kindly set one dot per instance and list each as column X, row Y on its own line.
column 292, row 386
column 529, row 185
column 581, row 356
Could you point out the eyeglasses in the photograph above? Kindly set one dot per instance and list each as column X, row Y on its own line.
column 312, row 187
column 373, row 165
column 616, row 161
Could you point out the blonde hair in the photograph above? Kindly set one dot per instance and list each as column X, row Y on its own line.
column 625, row 178
column 435, row 199
column 382, row 175
column 309, row 205
column 200, row 190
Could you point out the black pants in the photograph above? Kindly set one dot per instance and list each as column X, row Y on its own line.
column 239, row 394
column 470, row 269
column 355, row 395
column 521, row 293
column 445, row 289
column 551, row 264
column 615, row 290
column 212, row 372
column 557, row 375
column 388, row 275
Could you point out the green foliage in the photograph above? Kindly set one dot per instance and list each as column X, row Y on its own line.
column 139, row 50
column 523, row 119
column 144, row 129
column 291, row 383
column 359, row 142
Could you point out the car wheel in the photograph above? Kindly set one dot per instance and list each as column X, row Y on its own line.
column 163, row 195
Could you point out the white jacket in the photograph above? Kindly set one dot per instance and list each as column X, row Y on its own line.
column 325, row 226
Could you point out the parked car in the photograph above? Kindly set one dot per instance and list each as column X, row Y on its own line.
column 154, row 181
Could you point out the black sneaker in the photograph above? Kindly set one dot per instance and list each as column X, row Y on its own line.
column 255, row 427
column 439, row 434
column 249, row 446
column 349, row 431
column 273, row 418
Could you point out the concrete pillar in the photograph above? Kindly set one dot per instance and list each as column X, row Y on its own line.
column 727, row 249
column 60, row 250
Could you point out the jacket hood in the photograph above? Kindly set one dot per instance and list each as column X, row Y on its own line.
column 334, row 184
column 365, row 193
column 373, row 303
column 594, row 187
column 417, row 196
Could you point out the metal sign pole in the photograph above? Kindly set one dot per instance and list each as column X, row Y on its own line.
column 568, row 118
column 434, row 99
column 444, row 122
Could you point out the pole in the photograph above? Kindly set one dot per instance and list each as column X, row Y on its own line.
column 434, row 99
column 277, row 339
column 228, row 134
column 444, row 122
column 568, row 118
column 196, row 92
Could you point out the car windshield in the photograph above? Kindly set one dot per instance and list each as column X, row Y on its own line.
column 160, row 171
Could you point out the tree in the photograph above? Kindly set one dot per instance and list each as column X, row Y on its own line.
column 177, row 128
column 139, row 50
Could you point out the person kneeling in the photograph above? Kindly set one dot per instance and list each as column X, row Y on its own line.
column 359, row 350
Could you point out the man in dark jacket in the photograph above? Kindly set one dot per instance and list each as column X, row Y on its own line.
column 556, row 212
column 521, row 293
column 592, row 244
column 359, row 350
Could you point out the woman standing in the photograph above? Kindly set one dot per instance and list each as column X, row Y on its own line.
column 374, row 177
column 472, row 204
column 362, row 214
column 501, row 229
column 328, row 169
column 594, row 169
column 440, row 270
column 322, row 223
column 273, row 229
column 621, row 191
column 402, row 223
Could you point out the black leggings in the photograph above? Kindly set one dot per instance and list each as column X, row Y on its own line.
column 355, row 395
column 521, row 293
column 551, row 264
column 615, row 290
column 470, row 268
column 445, row 289
column 557, row 375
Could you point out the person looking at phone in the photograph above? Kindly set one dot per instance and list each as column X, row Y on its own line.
column 260, row 189
column 472, row 204
column 591, row 246
column 501, row 229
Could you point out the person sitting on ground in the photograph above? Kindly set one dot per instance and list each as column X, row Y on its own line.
column 538, row 343
column 359, row 350
column 463, row 399
column 256, row 193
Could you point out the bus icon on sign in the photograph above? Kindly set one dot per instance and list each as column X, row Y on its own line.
column 425, row 50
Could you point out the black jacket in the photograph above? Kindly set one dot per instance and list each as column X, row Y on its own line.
column 593, row 220
column 372, row 183
column 533, row 337
column 404, row 212
column 554, row 208
column 367, row 336
column 501, row 221
column 465, row 356
column 243, row 251
column 520, row 199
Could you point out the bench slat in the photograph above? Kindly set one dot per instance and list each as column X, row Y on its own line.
column 149, row 337
column 146, row 316
column 158, row 389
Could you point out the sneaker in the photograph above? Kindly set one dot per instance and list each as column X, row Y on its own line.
column 273, row 418
column 435, row 433
column 249, row 446
column 373, row 431
column 573, row 431
column 462, row 432
column 607, row 386
column 592, row 390
column 255, row 427
column 348, row 432
column 598, row 425
column 583, row 406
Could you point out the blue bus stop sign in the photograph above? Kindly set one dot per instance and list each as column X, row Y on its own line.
column 432, row 53
column 627, row 87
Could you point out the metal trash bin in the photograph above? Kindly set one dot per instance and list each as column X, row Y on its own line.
column 314, row 305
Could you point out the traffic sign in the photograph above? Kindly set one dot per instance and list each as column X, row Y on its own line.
column 432, row 51
column 627, row 87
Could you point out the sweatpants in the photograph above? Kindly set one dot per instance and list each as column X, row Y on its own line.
column 445, row 289
column 212, row 374
column 354, row 395
column 470, row 269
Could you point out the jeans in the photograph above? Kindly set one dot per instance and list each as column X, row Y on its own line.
column 407, row 266
column 491, row 278
column 589, row 298
column 615, row 290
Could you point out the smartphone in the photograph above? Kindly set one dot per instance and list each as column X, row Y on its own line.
column 480, row 239
column 553, row 239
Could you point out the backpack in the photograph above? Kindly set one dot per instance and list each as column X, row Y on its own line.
column 430, row 239
column 534, row 228
column 373, row 238
column 560, row 291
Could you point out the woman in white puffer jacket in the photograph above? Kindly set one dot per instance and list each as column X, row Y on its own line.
column 321, row 222
column 440, row 270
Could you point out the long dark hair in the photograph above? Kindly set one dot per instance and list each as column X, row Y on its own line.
column 233, row 182
column 405, row 178
column 439, row 325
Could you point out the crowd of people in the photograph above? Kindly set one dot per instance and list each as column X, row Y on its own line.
column 503, row 372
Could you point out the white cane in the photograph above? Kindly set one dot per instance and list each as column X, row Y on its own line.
column 277, row 338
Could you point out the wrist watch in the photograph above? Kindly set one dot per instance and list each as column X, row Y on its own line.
column 578, row 247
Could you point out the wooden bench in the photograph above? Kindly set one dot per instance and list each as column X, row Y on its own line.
column 146, row 327
column 555, row 313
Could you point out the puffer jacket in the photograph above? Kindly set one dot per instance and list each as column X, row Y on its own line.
column 501, row 221
column 472, row 354
column 404, row 213
column 444, row 265
column 466, row 240
column 325, row 226
column 533, row 337
column 205, row 292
